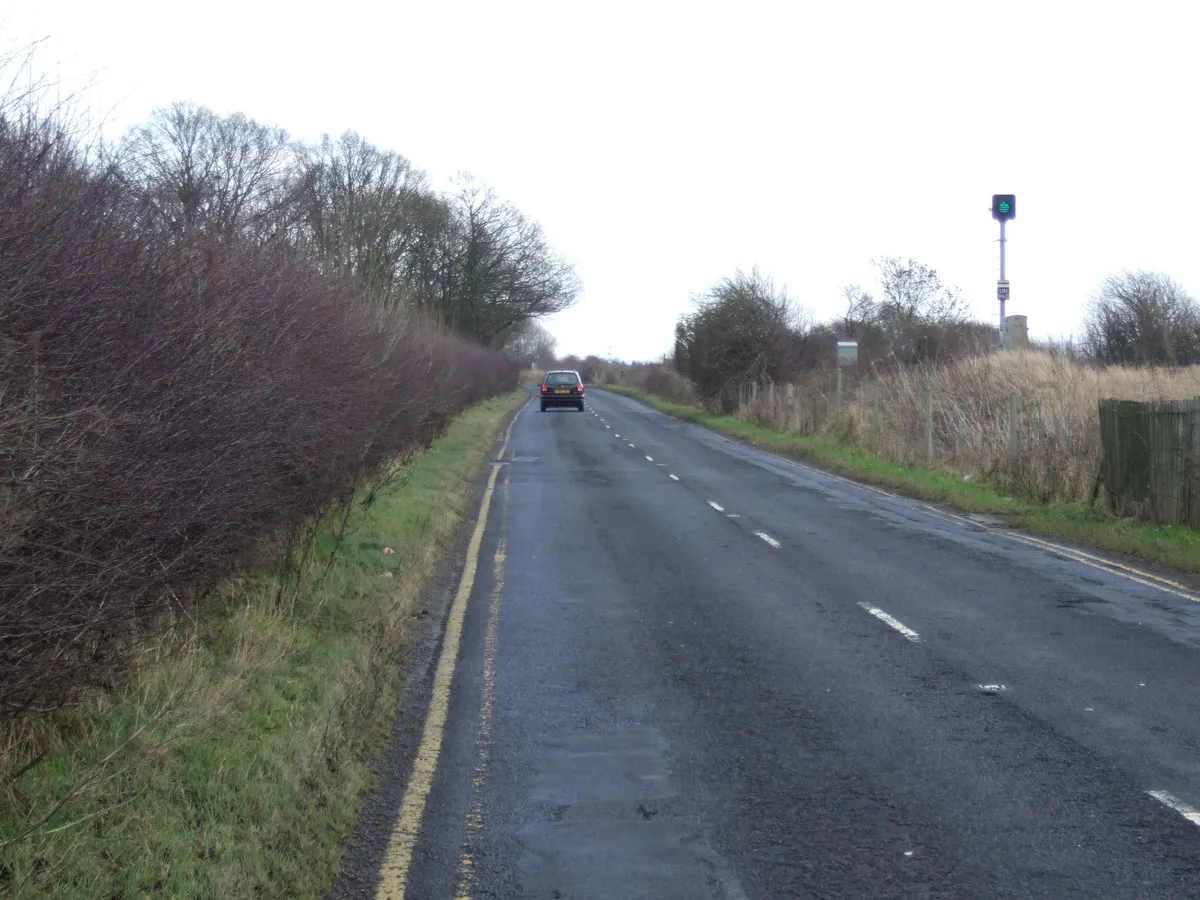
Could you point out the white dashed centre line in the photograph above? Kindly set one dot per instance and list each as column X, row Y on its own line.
column 1188, row 812
column 650, row 459
column 770, row 540
column 634, row 447
column 673, row 477
column 717, row 506
column 894, row 623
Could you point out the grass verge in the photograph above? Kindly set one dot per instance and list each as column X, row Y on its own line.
column 1177, row 547
column 234, row 762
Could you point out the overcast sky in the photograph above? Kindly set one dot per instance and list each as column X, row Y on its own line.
column 665, row 145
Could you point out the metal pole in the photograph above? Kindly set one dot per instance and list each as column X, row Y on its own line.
column 1002, row 276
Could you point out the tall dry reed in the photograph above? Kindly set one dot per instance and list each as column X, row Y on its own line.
column 1027, row 419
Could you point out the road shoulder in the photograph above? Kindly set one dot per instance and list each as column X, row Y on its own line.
column 367, row 849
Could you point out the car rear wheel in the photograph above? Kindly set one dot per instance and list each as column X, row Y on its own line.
column 543, row 407
column 580, row 407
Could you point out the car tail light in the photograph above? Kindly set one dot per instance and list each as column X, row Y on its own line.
column 543, row 389
column 580, row 389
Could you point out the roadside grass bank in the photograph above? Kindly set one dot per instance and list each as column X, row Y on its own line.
column 1177, row 547
column 234, row 760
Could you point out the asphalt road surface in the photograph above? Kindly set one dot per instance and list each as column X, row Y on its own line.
column 688, row 669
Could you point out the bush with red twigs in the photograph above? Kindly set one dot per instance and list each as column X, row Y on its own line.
column 168, row 402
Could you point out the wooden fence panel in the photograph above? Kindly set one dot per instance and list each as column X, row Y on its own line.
column 1151, row 458
column 1193, row 467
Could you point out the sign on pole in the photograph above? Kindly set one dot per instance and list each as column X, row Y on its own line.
column 1002, row 291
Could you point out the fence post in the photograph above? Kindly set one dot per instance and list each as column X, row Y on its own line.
column 1013, row 402
column 876, row 430
column 929, row 428
column 1192, row 511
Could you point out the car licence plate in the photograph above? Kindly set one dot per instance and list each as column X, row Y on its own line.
column 562, row 391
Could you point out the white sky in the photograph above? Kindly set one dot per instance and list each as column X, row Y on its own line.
column 664, row 145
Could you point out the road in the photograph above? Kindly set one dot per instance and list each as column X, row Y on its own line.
column 689, row 669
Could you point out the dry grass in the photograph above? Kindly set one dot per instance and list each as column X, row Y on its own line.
column 1028, row 420
column 661, row 382
column 531, row 376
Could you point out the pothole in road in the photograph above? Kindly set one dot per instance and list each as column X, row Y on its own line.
column 991, row 690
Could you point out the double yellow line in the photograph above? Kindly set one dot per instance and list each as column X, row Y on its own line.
column 1102, row 563
column 393, row 881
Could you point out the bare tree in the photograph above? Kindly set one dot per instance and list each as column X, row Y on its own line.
column 468, row 260
column 913, row 294
column 861, row 312
column 199, row 169
column 362, row 209
column 531, row 344
column 1142, row 318
column 500, row 271
column 917, row 311
column 427, row 267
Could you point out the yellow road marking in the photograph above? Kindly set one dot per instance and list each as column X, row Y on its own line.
column 871, row 487
column 393, row 874
column 1102, row 563
column 466, row 862
column 1129, row 573
column 953, row 517
column 508, row 431
column 1107, row 562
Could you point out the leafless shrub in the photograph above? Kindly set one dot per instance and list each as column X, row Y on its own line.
column 1142, row 318
column 168, row 399
column 741, row 331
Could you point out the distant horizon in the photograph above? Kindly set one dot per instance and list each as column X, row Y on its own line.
column 666, row 146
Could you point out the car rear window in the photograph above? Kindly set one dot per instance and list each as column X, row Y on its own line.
column 561, row 378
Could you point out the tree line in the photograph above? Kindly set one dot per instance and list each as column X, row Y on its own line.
column 745, row 329
column 462, row 258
